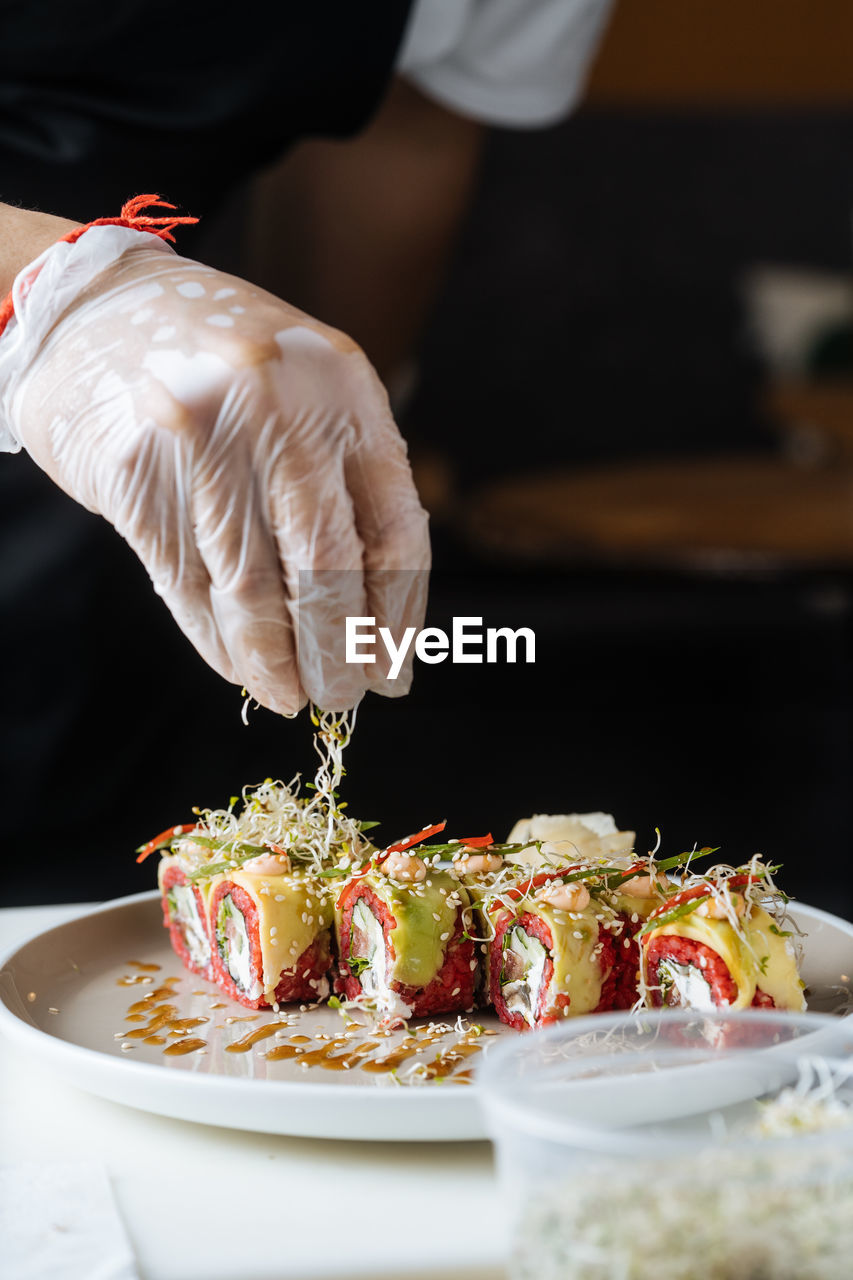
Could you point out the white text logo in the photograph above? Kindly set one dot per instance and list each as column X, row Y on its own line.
column 466, row 643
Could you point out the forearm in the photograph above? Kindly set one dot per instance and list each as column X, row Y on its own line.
column 360, row 232
column 23, row 236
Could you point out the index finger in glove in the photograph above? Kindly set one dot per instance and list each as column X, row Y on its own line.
column 393, row 527
column 247, row 593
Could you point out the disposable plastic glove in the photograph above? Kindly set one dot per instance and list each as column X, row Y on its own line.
column 245, row 451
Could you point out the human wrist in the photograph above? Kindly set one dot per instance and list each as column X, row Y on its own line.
column 24, row 235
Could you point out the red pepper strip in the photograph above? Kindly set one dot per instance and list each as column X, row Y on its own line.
column 164, row 837
column 686, row 895
column 354, row 875
column 738, row 881
column 701, row 891
column 637, row 868
column 478, row 842
column 407, row 843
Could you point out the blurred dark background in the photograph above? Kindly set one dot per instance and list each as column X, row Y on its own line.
column 591, row 359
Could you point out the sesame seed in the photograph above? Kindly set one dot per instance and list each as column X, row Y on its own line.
column 473, row 965
column 53, row 1011
column 577, row 934
column 455, row 991
column 443, row 937
column 436, row 916
column 279, row 897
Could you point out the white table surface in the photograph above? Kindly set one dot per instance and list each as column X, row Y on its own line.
column 201, row 1202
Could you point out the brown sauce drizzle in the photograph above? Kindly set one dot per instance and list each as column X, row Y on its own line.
column 177, row 1026
column 145, row 1006
column 131, row 980
column 345, row 1061
column 252, row 1038
column 396, row 1059
column 445, row 1063
column 185, row 1046
column 161, row 1019
column 160, row 1016
column 311, row 1058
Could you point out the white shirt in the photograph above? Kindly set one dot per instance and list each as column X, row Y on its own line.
column 520, row 63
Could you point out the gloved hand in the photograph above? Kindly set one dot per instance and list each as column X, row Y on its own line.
column 245, row 451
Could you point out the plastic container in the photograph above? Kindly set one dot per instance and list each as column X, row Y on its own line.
column 673, row 1145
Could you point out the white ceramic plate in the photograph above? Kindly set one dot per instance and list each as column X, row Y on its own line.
column 61, row 998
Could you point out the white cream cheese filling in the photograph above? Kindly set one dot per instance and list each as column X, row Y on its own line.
column 374, row 978
column 238, row 951
column 186, row 912
column 691, row 987
column 522, row 994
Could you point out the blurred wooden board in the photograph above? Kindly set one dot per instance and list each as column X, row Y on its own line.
column 726, row 52
column 824, row 407
column 736, row 513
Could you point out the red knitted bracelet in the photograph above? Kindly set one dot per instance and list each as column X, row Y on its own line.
column 131, row 216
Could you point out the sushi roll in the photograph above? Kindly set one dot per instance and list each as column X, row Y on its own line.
column 552, row 952
column 184, row 904
column 401, row 935
column 640, row 890
column 270, row 933
column 483, row 869
column 715, row 944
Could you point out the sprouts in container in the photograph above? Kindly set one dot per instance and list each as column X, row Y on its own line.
column 676, row 1146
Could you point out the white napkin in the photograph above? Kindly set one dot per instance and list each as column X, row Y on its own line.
column 60, row 1220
